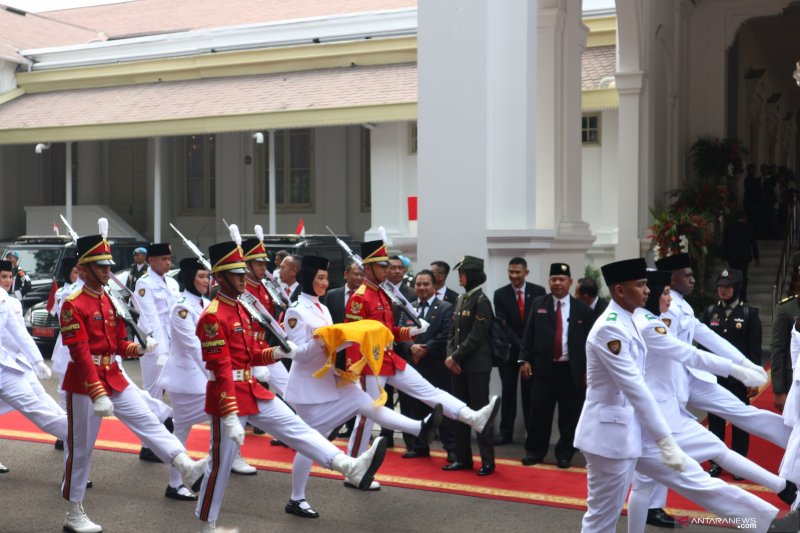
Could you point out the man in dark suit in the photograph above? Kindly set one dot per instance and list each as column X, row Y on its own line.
column 588, row 292
column 440, row 271
column 512, row 305
column 289, row 268
column 426, row 353
column 554, row 354
column 336, row 299
column 395, row 274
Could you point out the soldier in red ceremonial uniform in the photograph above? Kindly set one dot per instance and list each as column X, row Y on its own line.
column 370, row 302
column 95, row 385
column 231, row 345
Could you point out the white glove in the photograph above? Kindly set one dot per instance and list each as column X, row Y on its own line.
column 233, row 428
column 280, row 353
column 103, row 407
column 748, row 376
column 261, row 373
column 42, row 370
column 420, row 330
column 150, row 346
column 671, row 453
column 747, row 363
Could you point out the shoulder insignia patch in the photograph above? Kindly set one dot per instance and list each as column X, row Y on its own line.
column 182, row 313
column 292, row 322
column 667, row 321
column 67, row 315
column 141, row 292
column 612, row 317
column 648, row 316
column 787, row 299
column 212, row 307
column 181, row 299
column 615, row 346
column 361, row 290
column 661, row 330
column 211, row 330
column 356, row 307
column 74, row 295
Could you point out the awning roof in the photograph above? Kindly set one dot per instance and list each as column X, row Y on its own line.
column 313, row 98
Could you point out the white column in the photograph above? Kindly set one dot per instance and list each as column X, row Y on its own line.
column 629, row 86
column 273, row 202
column 68, row 183
column 157, row 192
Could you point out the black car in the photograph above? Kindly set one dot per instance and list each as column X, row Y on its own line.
column 40, row 258
column 320, row 245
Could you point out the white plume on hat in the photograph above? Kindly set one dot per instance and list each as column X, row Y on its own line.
column 382, row 233
column 235, row 235
column 102, row 225
column 259, row 232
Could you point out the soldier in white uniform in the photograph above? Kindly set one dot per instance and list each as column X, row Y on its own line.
column 618, row 404
column 700, row 389
column 157, row 294
column 667, row 357
column 325, row 403
column 790, row 464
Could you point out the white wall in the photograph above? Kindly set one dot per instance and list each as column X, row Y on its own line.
column 599, row 173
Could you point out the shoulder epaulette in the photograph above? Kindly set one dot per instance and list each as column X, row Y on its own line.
column 612, row 317
column 361, row 290
column 212, row 307
column 787, row 299
column 648, row 316
column 146, row 274
column 294, row 303
column 74, row 295
column 181, row 299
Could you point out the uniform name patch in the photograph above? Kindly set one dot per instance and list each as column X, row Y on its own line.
column 211, row 344
column 615, row 346
column 71, row 327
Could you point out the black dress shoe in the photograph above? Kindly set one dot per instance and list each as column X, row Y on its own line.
column 146, row 454
column 177, row 494
column 738, row 478
column 486, row 470
column 294, row 507
column 413, row 454
column 715, row 470
column 500, row 440
column 458, row 465
column 258, row 431
column 197, row 484
column 563, row 463
column 788, row 494
column 169, row 425
column 4, row 469
column 530, row 460
column 451, row 457
column 660, row 518
column 59, row 444
column 89, row 484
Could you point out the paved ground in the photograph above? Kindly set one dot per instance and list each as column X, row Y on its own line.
column 128, row 497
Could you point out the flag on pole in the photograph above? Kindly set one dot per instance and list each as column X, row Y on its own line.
column 51, row 298
column 55, row 228
column 300, row 229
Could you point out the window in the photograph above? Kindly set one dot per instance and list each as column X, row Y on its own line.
column 199, row 173
column 366, row 171
column 294, row 171
column 590, row 129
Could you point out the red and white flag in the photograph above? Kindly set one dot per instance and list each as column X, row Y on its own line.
column 55, row 228
column 51, row 298
column 300, row 229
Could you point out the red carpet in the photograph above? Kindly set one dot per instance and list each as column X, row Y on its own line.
column 541, row 484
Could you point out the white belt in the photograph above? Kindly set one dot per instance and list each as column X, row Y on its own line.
column 238, row 375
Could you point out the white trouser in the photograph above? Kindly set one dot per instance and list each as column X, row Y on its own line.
column 325, row 417
column 412, row 383
column 187, row 410
column 713, row 494
column 277, row 419
column 32, row 401
column 151, row 370
column 278, row 377
column 701, row 445
column 131, row 410
column 716, row 399
column 607, row 482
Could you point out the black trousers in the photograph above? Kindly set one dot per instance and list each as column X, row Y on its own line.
column 509, row 376
column 740, row 439
column 559, row 390
column 413, row 408
column 473, row 389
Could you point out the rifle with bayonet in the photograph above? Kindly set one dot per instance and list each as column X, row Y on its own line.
column 391, row 292
column 263, row 317
column 192, row 248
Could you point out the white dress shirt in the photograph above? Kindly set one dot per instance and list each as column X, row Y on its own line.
column 564, row 326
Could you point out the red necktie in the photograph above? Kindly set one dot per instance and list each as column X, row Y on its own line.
column 521, row 305
column 318, row 306
column 349, row 294
column 288, row 292
column 557, row 349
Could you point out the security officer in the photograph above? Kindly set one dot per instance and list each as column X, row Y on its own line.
column 157, row 293
column 739, row 324
column 786, row 313
column 138, row 267
column 22, row 282
column 97, row 387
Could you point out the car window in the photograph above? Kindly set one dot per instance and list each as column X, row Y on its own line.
column 38, row 263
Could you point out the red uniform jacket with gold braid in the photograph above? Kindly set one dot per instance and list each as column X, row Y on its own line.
column 369, row 302
column 90, row 326
column 230, row 341
column 257, row 289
